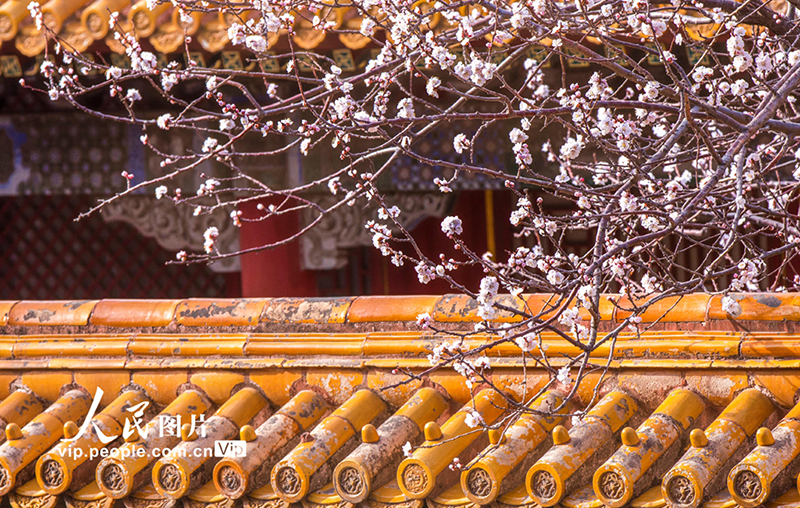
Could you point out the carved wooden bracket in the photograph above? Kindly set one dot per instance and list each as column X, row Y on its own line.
column 175, row 227
column 322, row 247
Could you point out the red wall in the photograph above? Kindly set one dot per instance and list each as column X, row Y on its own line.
column 277, row 272
column 274, row 272
column 470, row 208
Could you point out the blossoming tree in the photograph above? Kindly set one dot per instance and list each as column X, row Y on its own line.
column 676, row 150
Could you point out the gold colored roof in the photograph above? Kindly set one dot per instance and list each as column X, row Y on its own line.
column 81, row 23
column 303, row 377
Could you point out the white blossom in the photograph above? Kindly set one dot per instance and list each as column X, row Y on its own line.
column 443, row 185
column 570, row 317
column 433, row 84
column 424, row 320
column 655, row 28
column 731, row 306
column 486, row 295
column 473, row 418
column 367, row 26
column 451, row 226
column 163, row 121
column 209, row 145
column 651, row 90
column 145, row 62
column 405, row 109
column 522, row 154
column 334, row 185
column 517, row 136
column 304, row 146
column 572, row 148
column 380, row 236
column 628, row 202
column 650, row 284
column 477, row 71
column 36, row 13
column 256, row 43
column 111, row 73
column 168, row 80
column 133, row 95
column 650, row 223
column 343, row 106
column 563, row 375
column 235, row 216
column 211, row 234
column 488, row 290
column 385, row 213
column 207, row 187
column 424, row 272
column 237, row 33
column 764, row 63
column 460, row 143
column 526, row 342
column 742, row 62
column 739, row 87
column 745, row 278
column 585, row 295
column 480, row 363
column 555, row 277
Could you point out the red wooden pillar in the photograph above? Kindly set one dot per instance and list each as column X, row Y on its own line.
column 274, row 272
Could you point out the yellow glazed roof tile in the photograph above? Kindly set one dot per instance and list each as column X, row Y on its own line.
column 134, row 313
column 390, row 308
column 282, row 347
column 307, row 310
column 51, row 313
column 205, row 312
column 163, row 388
column 5, row 308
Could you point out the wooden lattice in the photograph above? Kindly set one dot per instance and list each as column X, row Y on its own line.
column 46, row 255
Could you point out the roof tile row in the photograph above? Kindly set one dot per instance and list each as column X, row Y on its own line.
column 312, row 451
column 444, row 309
column 228, row 377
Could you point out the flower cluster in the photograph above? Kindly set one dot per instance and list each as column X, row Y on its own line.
column 210, row 236
column 451, row 226
column 486, row 296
